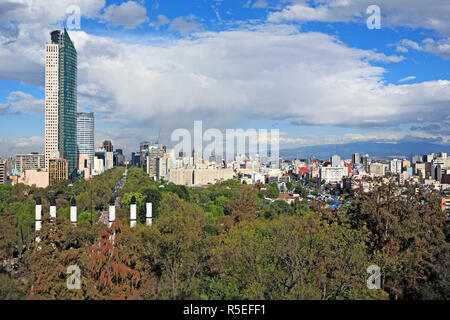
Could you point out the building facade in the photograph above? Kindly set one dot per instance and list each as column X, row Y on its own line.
column 85, row 135
column 32, row 161
column 356, row 158
column 38, row 178
column 84, row 165
column 154, row 152
column 395, row 166
column 61, row 100
column 186, row 176
column 333, row 174
column 2, row 172
column 335, row 161
column 57, row 171
column 377, row 169
column 108, row 146
column 119, row 158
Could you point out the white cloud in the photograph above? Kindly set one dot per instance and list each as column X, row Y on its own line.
column 259, row 4
column 20, row 102
column 270, row 73
column 162, row 21
column 46, row 12
column 258, row 72
column 407, row 79
column 128, row 14
column 440, row 47
column 411, row 13
column 185, row 25
column 304, row 13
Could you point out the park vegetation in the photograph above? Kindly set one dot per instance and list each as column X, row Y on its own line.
column 223, row 241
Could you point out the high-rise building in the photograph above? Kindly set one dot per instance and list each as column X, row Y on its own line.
column 163, row 165
column 333, row 175
column 395, row 166
column 61, row 100
column 144, row 146
column 416, row 158
column 107, row 145
column 428, row 158
column 366, row 162
column 85, row 135
column 442, row 155
column 377, row 169
column 10, row 163
column 57, row 170
column 32, row 161
column 2, row 171
column 155, row 151
column 119, row 158
column 109, row 160
column 356, row 158
column 335, row 161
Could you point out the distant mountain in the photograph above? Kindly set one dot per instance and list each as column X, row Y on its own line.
column 373, row 149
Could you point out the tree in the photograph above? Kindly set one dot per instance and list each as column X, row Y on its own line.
column 175, row 250
column 407, row 232
column 298, row 257
column 61, row 245
column 111, row 267
column 140, row 203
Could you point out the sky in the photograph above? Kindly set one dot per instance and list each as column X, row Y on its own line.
column 312, row 69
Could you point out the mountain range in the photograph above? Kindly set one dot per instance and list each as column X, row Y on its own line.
column 376, row 150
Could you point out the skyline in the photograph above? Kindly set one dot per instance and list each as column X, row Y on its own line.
column 315, row 72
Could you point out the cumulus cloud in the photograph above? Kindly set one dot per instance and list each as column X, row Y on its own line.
column 259, row 72
column 181, row 25
column 411, row 13
column 440, row 47
column 161, row 21
column 309, row 78
column 20, row 102
column 185, row 25
column 128, row 14
column 46, row 12
column 268, row 72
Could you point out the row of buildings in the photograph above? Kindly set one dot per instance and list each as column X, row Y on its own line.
column 69, row 135
column 30, row 168
column 160, row 163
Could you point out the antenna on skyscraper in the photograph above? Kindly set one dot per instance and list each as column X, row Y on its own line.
column 159, row 136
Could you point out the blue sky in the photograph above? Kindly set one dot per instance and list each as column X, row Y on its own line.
column 312, row 69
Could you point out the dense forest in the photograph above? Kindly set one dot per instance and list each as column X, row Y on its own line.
column 224, row 241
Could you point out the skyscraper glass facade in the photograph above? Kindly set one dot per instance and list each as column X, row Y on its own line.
column 85, row 135
column 67, row 102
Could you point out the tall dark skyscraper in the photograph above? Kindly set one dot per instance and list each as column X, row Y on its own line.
column 61, row 100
